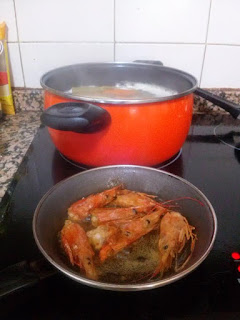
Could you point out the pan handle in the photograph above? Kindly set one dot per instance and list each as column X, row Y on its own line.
column 228, row 106
column 24, row 274
column 77, row 117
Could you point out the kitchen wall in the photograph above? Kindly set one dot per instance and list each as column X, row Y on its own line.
column 198, row 36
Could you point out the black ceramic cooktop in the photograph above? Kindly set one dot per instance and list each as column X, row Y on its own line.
column 210, row 159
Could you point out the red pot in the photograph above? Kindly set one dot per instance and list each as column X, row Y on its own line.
column 145, row 134
column 96, row 131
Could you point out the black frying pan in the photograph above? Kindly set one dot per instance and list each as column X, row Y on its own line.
column 52, row 211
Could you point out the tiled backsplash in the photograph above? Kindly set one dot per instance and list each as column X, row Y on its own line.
column 198, row 36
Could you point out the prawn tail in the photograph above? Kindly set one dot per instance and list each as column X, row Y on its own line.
column 105, row 252
column 157, row 272
column 192, row 246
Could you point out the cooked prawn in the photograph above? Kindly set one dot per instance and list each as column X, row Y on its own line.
column 100, row 235
column 103, row 215
column 116, row 218
column 127, row 198
column 76, row 245
column 80, row 209
column 175, row 231
column 130, row 231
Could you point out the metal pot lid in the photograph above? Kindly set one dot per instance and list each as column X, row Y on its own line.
column 161, row 83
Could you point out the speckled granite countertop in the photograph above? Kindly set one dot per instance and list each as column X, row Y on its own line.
column 16, row 134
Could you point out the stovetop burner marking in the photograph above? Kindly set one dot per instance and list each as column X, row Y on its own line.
column 171, row 160
column 73, row 163
column 164, row 164
column 215, row 133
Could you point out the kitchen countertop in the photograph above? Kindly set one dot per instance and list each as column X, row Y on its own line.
column 16, row 134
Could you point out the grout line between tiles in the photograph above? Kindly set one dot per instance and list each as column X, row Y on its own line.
column 155, row 42
column 18, row 42
column 185, row 43
column 205, row 47
column 68, row 42
column 114, row 30
column 121, row 42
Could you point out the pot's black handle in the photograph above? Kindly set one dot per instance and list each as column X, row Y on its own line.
column 23, row 275
column 228, row 106
column 77, row 117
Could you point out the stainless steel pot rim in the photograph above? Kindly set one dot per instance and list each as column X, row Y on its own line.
column 69, row 95
column 125, row 287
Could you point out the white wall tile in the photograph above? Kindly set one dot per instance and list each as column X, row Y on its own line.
column 39, row 58
column 62, row 20
column 221, row 67
column 224, row 25
column 161, row 20
column 15, row 65
column 181, row 56
column 7, row 14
